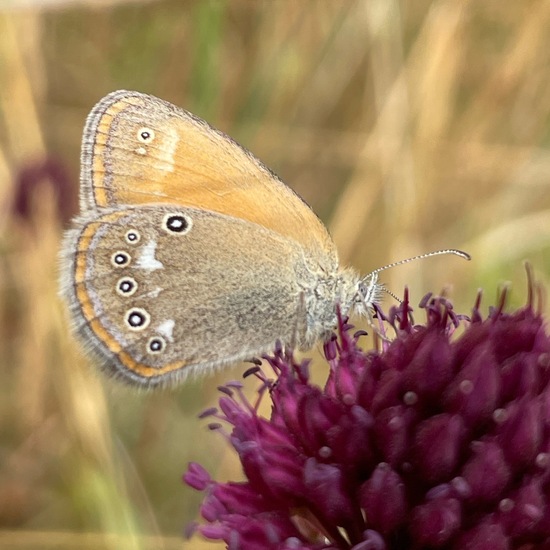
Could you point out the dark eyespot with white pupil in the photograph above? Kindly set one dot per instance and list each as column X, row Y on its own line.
column 145, row 135
column 120, row 258
column 177, row 223
column 137, row 319
column 132, row 236
column 126, row 286
column 156, row 345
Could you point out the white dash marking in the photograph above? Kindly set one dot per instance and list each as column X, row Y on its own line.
column 147, row 260
column 171, row 143
column 164, row 155
column 153, row 293
column 166, row 328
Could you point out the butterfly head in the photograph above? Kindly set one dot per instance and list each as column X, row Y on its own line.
column 368, row 292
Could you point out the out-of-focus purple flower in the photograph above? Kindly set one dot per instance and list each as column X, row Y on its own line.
column 437, row 441
column 36, row 175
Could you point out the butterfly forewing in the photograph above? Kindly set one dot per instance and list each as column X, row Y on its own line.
column 138, row 149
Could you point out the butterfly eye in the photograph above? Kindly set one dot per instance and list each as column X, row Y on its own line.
column 137, row 319
column 177, row 223
column 155, row 345
column 145, row 135
column 132, row 236
column 126, row 286
column 120, row 258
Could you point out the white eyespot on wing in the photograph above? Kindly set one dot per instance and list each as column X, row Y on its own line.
column 120, row 259
column 177, row 223
column 145, row 135
column 166, row 328
column 132, row 236
column 137, row 319
column 156, row 345
column 126, row 286
column 146, row 259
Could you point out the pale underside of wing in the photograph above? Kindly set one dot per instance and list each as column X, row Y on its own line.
column 185, row 161
column 212, row 296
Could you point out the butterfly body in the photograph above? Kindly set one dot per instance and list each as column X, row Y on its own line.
column 189, row 254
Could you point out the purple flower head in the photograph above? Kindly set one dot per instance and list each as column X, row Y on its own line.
column 33, row 177
column 439, row 440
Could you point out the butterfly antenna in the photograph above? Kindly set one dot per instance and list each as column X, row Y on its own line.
column 454, row 251
column 369, row 290
column 394, row 296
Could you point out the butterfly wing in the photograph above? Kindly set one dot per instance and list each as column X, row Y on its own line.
column 159, row 292
column 138, row 149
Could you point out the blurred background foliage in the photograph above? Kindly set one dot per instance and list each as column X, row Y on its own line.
column 408, row 126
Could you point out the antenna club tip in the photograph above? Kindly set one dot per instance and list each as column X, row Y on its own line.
column 463, row 254
column 454, row 251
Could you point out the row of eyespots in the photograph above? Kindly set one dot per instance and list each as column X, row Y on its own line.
column 126, row 286
column 138, row 319
column 121, row 258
